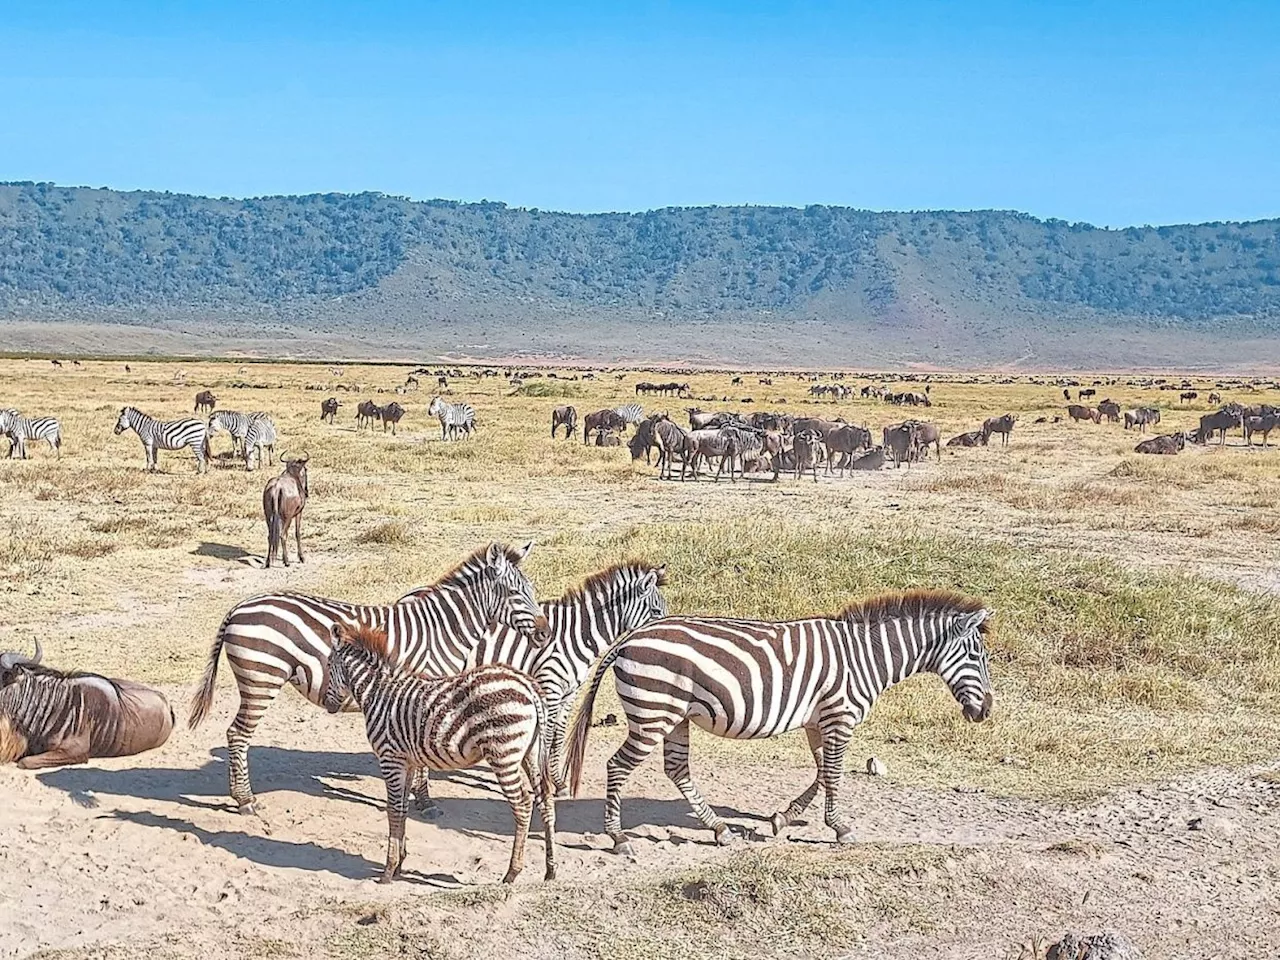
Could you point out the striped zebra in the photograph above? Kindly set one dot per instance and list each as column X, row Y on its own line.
column 234, row 423
column 157, row 435
column 20, row 429
column 260, row 436
column 492, row 714
column 285, row 638
column 583, row 624
column 453, row 417
column 632, row 413
column 747, row 679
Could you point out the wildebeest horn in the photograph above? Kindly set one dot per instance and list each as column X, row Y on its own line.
column 11, row 659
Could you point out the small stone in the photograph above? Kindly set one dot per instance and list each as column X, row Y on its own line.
column 876, row 767
column 1014, row 762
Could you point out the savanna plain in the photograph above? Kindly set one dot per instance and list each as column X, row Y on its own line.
column 1128, row 780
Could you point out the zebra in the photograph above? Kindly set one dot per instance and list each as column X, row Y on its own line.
column 746, row 679
column 453, row 417
column 284, row 638
column 260, row 435
column 159, row 435
column 20, row 429
column 492, row 714
column 631, row 413
column 234, row 423
column 583, row 624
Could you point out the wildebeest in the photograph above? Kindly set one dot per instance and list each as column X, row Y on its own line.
column 645, row 439
column 608, row 438
column 1109, row 409
column 974, row 438
column 1078, row 411
column 843, row 442
column 1066, row 395
column 391, row 414
column 701, row 420
column 872, row 459
column 1187, row 395
column 722, row 443
column 673, row 440
column 926, row 434
column 56, row 363
column 567, row 417
column 1001, row 425
column 1215, row 398
column 1220, row 421
column 1088, row 392
column 51, row 718
column 329, row 408
column 805, row 449
column 900, row 442
column 1263, row 425
column 366, row 413
column 1170, row 443
column 283, row 500
column 205, row 400
column 601, row 420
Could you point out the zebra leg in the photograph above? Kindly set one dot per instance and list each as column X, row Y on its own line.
column 638, row 745
column 675, row 761
column 511, row 780
column 784, row 818
column 257, row 692
column 834, row 743
column 544, row 795
column 395, row 773
column 559, row 729
column 422, row 801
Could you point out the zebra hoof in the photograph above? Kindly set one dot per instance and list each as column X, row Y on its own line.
column 779, row 822
column 723, row 835
column 563, row 793
column 431, row 810
column 248, row 809
column 624, row 849
column 845, row 837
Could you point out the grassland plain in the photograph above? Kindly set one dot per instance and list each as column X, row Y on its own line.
column 1137, row 653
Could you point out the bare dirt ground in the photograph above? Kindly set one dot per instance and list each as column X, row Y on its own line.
column 1128, row 781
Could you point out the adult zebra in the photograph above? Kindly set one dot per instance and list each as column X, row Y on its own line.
column 747, row 679
column 631, row 413
column 453, row 417
column 20, row 429
column 583, row 624
column 286, row 638
column 234, row 423
column 159, row 435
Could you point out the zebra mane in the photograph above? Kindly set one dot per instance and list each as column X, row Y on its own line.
column 465, row 572
column 912, row 603
column 607, row 580
column 366, row 638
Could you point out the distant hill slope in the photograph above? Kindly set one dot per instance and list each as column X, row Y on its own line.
column 706, row 281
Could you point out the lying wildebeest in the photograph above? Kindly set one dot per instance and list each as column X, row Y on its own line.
column 1110, row 409
column 601, row 420
column 1001, row 425
column 974, row 438
column 282, row 502
column 872, row 459
column 49, row 718
column 1078, row 411
column 205, row 400
column 567, row 417
column 391, row 414
column 607, row 438
column 900, row 442
column 1170, row 443
column 1263, row 425
column 844, row 441
column 329, row 408
column 366, row 413
column 805, row 449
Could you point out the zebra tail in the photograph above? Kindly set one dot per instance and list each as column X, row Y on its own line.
column 576, row 746
column 203, row 698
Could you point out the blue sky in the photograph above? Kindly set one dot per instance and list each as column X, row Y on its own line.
column 1117, row 113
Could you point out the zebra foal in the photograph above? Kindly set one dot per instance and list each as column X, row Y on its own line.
column 748, row 679
column 20, row 430
column 455, row 418
column 492, row 714
column 157, row 435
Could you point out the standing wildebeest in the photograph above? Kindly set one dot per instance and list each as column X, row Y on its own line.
column 926, row 434
column 366, row 413
column 806, row 449
column 900, row 441
column 1078, row 411
column 1211, row 423
column 974, row 438
column 1215, row 398
column 282, row 502
column 49, row 718
column 1066, row 395
column 391, row 414
column 57, row 363
column 1187, row 395
column 673, row 440
column 1001, row 425
column 601, row 420
column 1109, row 409
column 567, row 417
column 1168, row 444
column 645, row 439
column 844, row 441
column 1090, row 392
column 329, row 408
column 1263, row 425
column 722, row 442
column 205, row 400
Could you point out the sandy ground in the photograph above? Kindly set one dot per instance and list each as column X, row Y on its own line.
column 146, row 852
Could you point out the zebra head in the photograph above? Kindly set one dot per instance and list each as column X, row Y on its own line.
column 123, row 422
column 512, row 602
column 962, row 663
column 356, row 654
column 648, row 603
column 436, row 407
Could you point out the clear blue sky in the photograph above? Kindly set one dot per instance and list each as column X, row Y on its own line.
column 1113, row 112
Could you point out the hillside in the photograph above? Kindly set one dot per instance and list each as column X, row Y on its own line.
column 819, row 284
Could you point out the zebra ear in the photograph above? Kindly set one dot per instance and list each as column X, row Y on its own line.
column 522, row 552
column 979, row 617
column 659, row 575
column 496, row 556
column 338, row 632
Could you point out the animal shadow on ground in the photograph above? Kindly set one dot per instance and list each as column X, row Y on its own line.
column 226, row 551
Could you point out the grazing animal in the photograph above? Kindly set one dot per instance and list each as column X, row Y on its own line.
column 260, row 436
column 366, row 413
column 1089, row 392
column 205, row 401
column 873, row 459
column 456, row 419
column 806, row 449
column 1110, row 409
column 1215, row 398
column 567, row 417
column 1187, row 395
column 744, row 679
column 926, row 434
column 157, row 435
column 645, row 439
column 974, row 438
column 673, row 440
column 1263, row 424
column 843, row 442
column 1218, row 422
column 329, row 408
column 1078, row 411
column 1066, row 395
column 492, row 714
column 283, row 500
column 51, row 718
column 900, row 441
column 391, row 414
column 631, row 413
column 609, row 420
column 234, row 423
column 285, row 638
column 1001, row 425
column 20, row 430
column 57, row 363
column 1168, row 444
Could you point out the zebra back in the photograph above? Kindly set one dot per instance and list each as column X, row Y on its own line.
column 632, row 413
